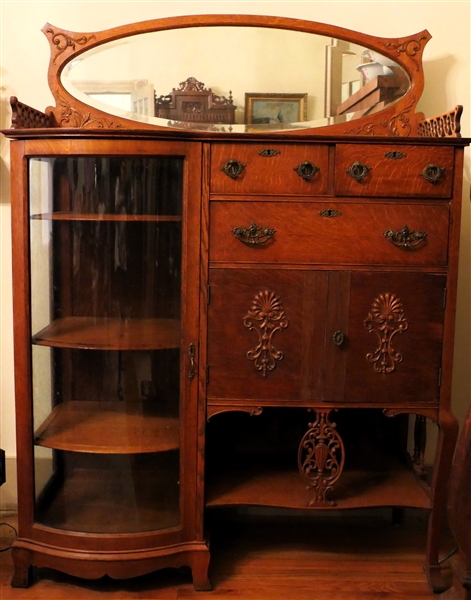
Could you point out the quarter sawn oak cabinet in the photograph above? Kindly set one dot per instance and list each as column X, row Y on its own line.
column 211, row 316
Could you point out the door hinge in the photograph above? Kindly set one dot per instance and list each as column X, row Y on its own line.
column 444, row 297
column 207, row 373
column 439, row 377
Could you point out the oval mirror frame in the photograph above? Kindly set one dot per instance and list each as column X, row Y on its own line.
column 397, row 119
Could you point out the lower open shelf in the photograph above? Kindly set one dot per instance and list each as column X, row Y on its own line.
column 255, row 483
column 112, row 494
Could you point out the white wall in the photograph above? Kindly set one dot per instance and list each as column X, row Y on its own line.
column 24, row 61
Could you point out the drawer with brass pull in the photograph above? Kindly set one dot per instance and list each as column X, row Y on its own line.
column 394, row 171
column 299, row 169
column 346, row 233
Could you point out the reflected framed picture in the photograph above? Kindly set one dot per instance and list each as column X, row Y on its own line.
column 275, row 108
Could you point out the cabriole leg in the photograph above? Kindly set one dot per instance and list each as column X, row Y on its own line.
column 448, row 432
column 22, row 568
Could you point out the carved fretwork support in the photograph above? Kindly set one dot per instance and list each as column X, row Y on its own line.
column 444, row 125
column 420, row 443
column 26, row 117
column 321, row 457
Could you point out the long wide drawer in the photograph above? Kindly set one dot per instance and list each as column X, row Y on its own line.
column 346, row 233
column 394, row 171
column 291, row 169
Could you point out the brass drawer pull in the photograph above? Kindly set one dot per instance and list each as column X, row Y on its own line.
column 405, row 238
column 233, row 168
column 358, row 171
column 306, row 170
column 432, row 173
column 339, row 338
column 254, row 235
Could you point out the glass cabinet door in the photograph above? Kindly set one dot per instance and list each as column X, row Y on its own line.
column 106, row 263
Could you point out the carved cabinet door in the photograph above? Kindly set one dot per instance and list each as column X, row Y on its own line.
column 393, row 343
column 266, row 332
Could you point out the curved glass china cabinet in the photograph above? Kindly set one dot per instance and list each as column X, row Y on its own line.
column 227, row 293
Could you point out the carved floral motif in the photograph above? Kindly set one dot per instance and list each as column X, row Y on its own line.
column 63, row 41
column 398, row 125
column 71, row 117
column 321, row 457
column 410, row 48
column 386, row 318
column 266, row 316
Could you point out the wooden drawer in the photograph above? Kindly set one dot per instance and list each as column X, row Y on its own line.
column 346, row 233
column 272, row 174
column 393, row 171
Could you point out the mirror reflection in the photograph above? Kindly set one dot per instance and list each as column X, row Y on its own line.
column 235, row 79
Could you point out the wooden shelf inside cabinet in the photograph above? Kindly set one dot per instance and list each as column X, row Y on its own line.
column 109, row 428
column 71, row 216
column 102, row 501
column 108, row 333
column 390, row 484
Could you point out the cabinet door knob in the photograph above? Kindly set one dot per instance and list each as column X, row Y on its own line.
column 405, row 238
column 233, row 168
column 306, row 170
column 191, row 355
column 358, row 171
column 339, row 338
column 432, row 173
column 254, row 235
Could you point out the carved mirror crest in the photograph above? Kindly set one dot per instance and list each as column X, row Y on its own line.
column 347, row 82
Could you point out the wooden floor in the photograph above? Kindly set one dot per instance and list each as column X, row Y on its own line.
column 348, row 558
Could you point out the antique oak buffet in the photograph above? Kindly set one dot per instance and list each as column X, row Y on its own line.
column 214, row 315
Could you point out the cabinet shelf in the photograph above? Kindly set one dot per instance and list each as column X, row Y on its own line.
column 71, row 216
column 108, row 333
column 113, row 499
column 109, row 428
column 392, row 483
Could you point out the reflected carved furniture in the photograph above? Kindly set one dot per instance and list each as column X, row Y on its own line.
column 226, row 319
column 191, row 101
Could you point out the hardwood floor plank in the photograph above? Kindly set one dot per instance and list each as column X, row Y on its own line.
column 269, row 559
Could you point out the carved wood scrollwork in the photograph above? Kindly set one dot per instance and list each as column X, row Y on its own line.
column 321, row 457
column 63, row 41
column 386, row 318
column 71, row 117
column 410, row 48
column 266, row 316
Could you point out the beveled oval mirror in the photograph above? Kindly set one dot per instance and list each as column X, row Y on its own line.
column 236, row 74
